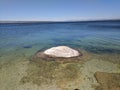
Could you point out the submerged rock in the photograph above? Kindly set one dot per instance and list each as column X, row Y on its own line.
column 62, row 51
column 108, row 81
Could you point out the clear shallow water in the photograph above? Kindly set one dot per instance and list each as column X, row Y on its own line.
column 18, row 42
column 97, row 37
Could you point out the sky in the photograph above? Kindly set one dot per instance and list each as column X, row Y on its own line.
column 58, row 10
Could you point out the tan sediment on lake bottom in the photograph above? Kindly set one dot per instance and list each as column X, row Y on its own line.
column 39, row 74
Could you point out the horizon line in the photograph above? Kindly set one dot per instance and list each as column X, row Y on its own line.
column 5, row 21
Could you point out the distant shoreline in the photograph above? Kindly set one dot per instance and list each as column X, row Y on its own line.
column 112, row 20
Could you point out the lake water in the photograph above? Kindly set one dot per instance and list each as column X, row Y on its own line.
column 97, row 37
column 20, row 41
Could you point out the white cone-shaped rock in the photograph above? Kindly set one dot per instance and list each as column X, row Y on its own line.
column 61, row 51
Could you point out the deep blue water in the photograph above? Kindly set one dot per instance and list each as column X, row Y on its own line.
column 96, row 37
